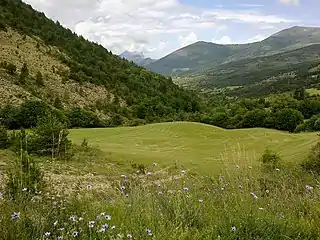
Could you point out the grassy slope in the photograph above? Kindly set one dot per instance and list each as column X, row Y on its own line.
column 71, row 93
column 194, row 146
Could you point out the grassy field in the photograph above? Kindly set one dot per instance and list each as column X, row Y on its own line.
column 194, row 146
column 90, row 197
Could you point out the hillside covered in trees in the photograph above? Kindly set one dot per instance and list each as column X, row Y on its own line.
column 42, row 63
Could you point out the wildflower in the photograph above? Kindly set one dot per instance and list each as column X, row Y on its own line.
column 150, row 234
column 183, row 171
column 89, row 186
column 127, row 195
column 148, row 230
column 160, row 193
column 102, row 230
column 47, row 234
column 59, row 237
column 149, row 173
column 200, row 201
column 123, row 188
column 25, row 189
column 309, row 188
column 240, row 186
column 91, row 224
column 75, row 234
column 155, row 164
column 233, row 229
column 254, row 196
column 108, row 217
column 126, row 181
column 237, row 166
column 113, row 227
column 277, row 169
column 73, row 218
column 261, row 208
column 16, row 216
column 186, row 189
column 54, row 204
column 129, row 236
column 105, row 226
column 267, row 191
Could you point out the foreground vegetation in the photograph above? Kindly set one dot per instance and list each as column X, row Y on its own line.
column 267, row 197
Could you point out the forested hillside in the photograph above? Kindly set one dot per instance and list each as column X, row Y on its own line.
column 39, row 55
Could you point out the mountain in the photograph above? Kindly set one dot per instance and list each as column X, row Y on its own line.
column 136, row 57
column 261, row 75
column 43, row 61
column 201, row 55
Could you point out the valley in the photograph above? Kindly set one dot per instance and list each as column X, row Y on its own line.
column 212, row 141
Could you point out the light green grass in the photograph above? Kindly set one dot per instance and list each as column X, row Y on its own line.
column 195, row 146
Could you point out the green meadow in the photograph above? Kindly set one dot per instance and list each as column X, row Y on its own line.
column 195, row 146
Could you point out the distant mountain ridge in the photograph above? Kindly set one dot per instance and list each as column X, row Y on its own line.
column 137, row 57
column 201, row 55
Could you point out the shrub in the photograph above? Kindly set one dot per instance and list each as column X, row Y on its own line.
column 270, row 158
column 50, row 138
column 312, row 163
column 79, row 117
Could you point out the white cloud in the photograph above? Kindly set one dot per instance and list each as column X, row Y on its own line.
column 140, row 25
column 223, row 40
column 290, row 2
column 190, row 38
column 256, row 38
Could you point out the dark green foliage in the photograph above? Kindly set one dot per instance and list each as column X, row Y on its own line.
column 57, row 103
column 50, row 138
column 39, row 79
column 312, row 163
column 4, row 138
column 299, row 93
column 30, row 113
column 24, row 178
column 287, row 119
column 2, row 26
column 79, row 117
column 254, row 118
column 9, row 117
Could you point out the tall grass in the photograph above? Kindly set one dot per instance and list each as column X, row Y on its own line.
column 242, row 202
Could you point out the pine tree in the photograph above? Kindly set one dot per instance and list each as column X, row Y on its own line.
column 24, row 74
column 39, row 79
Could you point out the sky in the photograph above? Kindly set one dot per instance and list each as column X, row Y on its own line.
column 158, row 28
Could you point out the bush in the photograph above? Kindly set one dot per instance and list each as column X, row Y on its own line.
column 270, row 158
column 312, row 163
column 50, row 138
column 79, row 117
column 4, row 138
